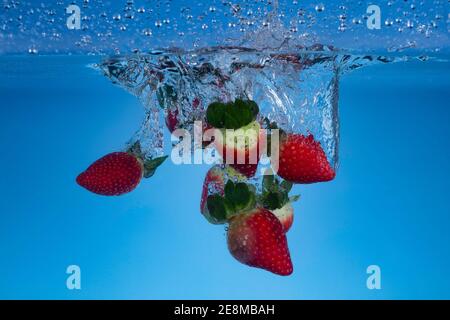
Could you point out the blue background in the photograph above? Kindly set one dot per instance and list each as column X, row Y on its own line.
column 388, row 206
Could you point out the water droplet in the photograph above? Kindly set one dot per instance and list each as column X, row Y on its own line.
column 342, row 27
column 117, row 17
column 320, row 7
column 141, row 10
column 388, row 22
column 147, row 32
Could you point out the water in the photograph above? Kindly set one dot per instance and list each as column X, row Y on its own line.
column 186, row 83
column 382, row 119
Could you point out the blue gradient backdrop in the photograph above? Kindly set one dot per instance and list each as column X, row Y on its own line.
column 389, row 204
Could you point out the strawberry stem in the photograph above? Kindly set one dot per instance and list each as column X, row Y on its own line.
column 151, row 165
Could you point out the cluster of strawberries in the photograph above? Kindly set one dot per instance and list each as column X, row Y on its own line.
column 258, row 218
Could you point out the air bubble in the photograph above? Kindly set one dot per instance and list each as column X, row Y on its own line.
column 147, row 32
column 33, row 50
column 320, row 7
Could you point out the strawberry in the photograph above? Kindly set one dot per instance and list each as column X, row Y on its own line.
column 257, row 239
column 214, row 183
column 286, row 216
column 255, row 235
column 242, row 147
column 242, row 153
column 275, row 197
column 118, row 173
column 172, row 120
column 302, row 160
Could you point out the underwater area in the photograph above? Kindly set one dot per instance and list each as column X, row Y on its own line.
column 376, row 100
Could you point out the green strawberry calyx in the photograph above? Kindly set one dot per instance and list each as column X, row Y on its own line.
column 275, row 193
column 238, row 198
column 232, row 115
column 149, row 166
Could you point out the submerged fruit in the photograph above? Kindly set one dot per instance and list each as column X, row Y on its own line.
column 112, row 175
column 286, row 216
column 214, row 184
column 239, row 136
column 302, row 160
column 240, row 148
column 118, row 173
column 257, row 239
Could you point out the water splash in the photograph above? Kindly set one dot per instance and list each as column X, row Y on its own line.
column 299, row 91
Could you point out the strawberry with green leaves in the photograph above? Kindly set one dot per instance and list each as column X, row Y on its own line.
column 255, row 235
column 118, row 173
column 240, row 133
column 275, row 197
column 214, row 183
column 302, row 160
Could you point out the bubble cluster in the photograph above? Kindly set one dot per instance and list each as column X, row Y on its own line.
column 123, row 25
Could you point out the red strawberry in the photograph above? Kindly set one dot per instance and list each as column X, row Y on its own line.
column 118, row 172
column 114, row 174
column 172, row 120
column 248, row 170
column 285, row 215
column 257, row 239
column 214, row 183
column 249, row 166
column 240, row 133
column 302, row 160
